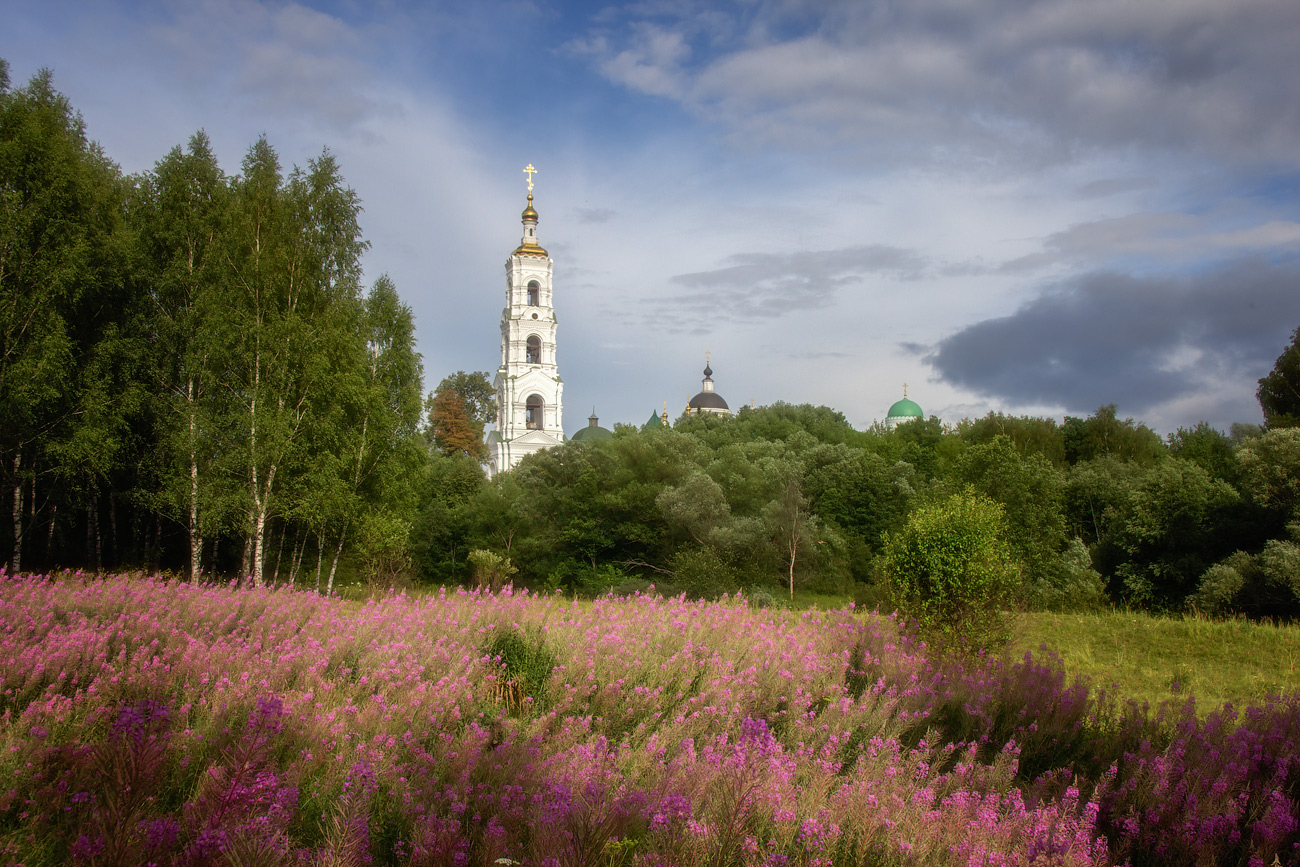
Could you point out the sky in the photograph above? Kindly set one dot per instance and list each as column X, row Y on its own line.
column 1023, row 206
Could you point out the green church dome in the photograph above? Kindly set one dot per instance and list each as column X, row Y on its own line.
column 593, row 432
column 906, row 409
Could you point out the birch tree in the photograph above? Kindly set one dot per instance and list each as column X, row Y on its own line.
column 181, row 217
column 295, row 269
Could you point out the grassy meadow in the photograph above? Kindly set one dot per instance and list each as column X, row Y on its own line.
column 144, row 720
column 1154, row 659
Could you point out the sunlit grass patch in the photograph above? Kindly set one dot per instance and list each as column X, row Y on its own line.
column 1154, row 659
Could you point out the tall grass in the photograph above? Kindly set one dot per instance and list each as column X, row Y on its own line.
column 143, row 721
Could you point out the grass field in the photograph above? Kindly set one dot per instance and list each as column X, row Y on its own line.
column 1142, row 657
column 1154, row 659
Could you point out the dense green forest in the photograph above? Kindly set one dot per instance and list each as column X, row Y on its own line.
column 191, row 375
column 194, row 378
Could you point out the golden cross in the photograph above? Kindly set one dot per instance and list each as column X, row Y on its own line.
column 706, row 358
column 905, row 391
column 530, row 171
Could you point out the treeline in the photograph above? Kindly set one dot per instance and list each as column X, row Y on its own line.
column 193, row 378
column 191, row 375
column 1099, row 511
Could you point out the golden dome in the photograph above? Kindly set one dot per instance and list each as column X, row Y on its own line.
column 529, row 213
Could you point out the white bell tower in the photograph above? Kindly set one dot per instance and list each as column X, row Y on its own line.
column 527, row 383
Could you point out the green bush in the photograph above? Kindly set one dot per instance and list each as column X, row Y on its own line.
column 527, row 664
column 491, row 570
column 949, row 569
column 1220, row 586
column 701, row 574
column 762, row 597
column 1073, row 585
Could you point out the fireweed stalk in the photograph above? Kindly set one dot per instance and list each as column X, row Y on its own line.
column 143, row 720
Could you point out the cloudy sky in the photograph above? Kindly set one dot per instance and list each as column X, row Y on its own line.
column 1030, row 206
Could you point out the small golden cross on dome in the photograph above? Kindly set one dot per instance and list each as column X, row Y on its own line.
column 905, row 391
column 530, row 171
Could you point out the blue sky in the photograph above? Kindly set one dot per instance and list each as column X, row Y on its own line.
column 1032, row 206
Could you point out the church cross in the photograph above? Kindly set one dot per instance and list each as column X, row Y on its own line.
column 905, row 390
column 530, row 171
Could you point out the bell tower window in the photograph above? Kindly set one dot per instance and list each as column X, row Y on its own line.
column 534, row 294
column 533, row 354
column 533, row 412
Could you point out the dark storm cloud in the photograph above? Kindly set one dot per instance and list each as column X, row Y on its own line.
column 768, row 285
column 1139, row 342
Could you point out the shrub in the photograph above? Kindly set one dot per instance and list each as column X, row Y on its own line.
column 526, row 665
column 384, row 545
column 701, row 574
column 1219, row 587
column 949, row 569
column 1266, row 584
column 491, row 570
column 762, row 597
column 1073, row 586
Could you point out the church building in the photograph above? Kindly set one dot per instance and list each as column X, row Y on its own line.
column 527, row 383
column 707, row 401
column 903, row 411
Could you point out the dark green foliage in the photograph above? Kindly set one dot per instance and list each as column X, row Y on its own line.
column 1270, row 470
column 191, row 374
column 1073, row 585
column 924, row 443
column 440, row 531
column 1168, row 530
column 1104, row 434
column 1211, row 450
column 1031, row 491
column 1029, row 435
column 701, row 573
column 67, row 355
column 526, row 667
column 860, row 492
column 1093, row 491
column 1279, row 391
column 1266, row 584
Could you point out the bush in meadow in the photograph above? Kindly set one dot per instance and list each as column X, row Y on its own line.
column 491, row 570
column 950, row 569
column 1072, row 584
column 1266, row 584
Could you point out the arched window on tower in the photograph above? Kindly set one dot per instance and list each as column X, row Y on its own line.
column 533, row 355
column 534, row 294
column 533, row 412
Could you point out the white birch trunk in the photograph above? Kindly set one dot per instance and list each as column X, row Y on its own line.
column 16, row 561
column 329, row 589
column 196, row 537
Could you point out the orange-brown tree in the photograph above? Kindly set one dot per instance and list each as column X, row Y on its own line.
column 452, row 428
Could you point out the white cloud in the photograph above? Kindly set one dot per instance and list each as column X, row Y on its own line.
column 994, row 80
